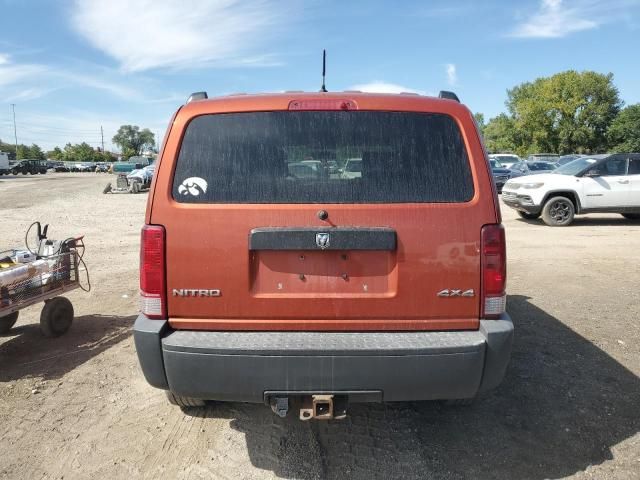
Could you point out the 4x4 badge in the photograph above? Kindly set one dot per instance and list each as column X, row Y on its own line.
column 322, row 240
column 456, row 293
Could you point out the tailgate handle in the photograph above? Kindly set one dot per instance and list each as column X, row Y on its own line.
column 313, row 238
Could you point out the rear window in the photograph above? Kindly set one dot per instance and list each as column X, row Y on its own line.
column 322, row 157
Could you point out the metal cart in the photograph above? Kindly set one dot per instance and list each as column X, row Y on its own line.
column 43, row 279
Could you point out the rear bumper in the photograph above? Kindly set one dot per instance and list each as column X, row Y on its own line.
column 402, row 366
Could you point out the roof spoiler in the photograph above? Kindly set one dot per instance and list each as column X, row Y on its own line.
column 448, row 95
column 197, row 96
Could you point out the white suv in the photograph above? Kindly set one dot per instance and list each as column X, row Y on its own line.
column 595, row 184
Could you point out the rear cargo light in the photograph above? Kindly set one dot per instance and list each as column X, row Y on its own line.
column 323, row 104
column 494, row 271
column 153, row 292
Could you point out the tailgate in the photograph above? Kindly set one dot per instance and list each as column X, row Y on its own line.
column 244, row 209
column 370, row 277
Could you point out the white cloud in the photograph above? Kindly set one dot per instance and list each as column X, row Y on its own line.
column 554, row 19
column 385, row 87
column 26, row 94
column 93, row 81
column 178, row 34
column 452, row 76
column 30, row 81
column 12, row 74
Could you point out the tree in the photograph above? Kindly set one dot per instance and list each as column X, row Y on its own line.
column 22, row 152
column 8, row 148
column 132, row 141
column 567, row 112
column 55, row 154
column 36, row 152
column 624, row 131
column 500, row 134
column 81, row 152
column 480, row 121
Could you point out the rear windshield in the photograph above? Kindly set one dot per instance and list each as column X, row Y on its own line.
column 291, row 157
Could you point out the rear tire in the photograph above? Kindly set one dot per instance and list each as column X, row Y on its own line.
column 558, row 212
column 7, row 322
column 459, row 402
column 184, row 402
column 528, row 216
column 631, row 216
column 56, row 317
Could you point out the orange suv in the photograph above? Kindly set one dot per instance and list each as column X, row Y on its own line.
column 307, row 250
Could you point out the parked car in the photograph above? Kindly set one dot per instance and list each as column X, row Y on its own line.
column 136, row 181
column 352, row 168
column 304, row 170
column 134, row 163
column 599, row 183
column 501, row 174
column 102, row 168
column 507, row 160
column 533, row 167
column 564, row 159
column 85, row 167
column 55, row 165
column 316, row 292
column 5, row 167
column 33, row 167
column 543, row 157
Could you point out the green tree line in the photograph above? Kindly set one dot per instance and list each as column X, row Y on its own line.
column 570, row 112
column 130, row 138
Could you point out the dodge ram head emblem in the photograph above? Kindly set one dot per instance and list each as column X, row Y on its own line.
column 322, row 240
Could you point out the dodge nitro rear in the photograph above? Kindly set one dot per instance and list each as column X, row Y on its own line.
column 310, row 250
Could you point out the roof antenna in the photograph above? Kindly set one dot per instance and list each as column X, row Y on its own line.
column 324, row 69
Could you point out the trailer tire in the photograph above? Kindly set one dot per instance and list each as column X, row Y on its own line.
column 107, row 189
column 56, row 317
column 7, row 322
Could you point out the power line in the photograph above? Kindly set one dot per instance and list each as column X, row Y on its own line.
column 15, row 132
column 35, row 126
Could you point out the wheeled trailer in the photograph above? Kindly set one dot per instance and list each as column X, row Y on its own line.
column 44, row 279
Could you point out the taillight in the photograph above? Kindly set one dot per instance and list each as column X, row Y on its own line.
column 494, row 271
column 323, row 104
column 153, row 296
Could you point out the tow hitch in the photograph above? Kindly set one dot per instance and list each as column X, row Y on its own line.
column 319, row 407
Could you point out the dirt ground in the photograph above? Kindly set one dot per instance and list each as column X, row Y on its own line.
column 78, row 406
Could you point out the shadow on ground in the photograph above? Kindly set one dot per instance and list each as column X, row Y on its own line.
column 561, row 408
column 25, row 352
column 581, row 221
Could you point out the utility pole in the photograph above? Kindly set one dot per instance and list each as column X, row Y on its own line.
column 102, row 136
column 15, row 132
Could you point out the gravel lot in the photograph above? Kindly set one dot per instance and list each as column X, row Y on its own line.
column 78, row 406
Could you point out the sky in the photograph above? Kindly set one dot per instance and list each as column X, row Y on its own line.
column 71, row 67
